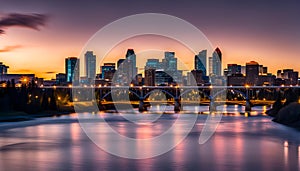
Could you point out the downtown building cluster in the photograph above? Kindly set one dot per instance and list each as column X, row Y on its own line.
column 207, row 70
column 156, row 72
column 254, row 74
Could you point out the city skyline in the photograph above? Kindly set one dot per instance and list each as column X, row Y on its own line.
column 159, row 54
column 203, row 54
column 158, row 72
column 259, row 32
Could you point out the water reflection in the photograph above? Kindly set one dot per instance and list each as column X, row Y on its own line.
column 239, row 144
column 286, row 154
column 76, row 151
column 204, row 109
column 299, row 157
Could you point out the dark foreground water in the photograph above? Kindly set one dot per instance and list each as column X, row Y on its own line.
column 240, row 143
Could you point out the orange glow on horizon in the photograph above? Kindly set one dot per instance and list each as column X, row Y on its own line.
column 44, row 54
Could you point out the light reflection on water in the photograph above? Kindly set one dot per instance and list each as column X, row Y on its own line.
column 225, row 109
column 299, row 155
column 239, row 144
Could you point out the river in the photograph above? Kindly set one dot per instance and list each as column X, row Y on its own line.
column 239, row 143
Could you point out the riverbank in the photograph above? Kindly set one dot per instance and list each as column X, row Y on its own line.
column 17, row 116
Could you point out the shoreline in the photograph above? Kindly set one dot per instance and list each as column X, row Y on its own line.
column 17, row 116
column 22, row 117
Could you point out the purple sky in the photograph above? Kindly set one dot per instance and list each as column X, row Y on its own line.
column 265, row 31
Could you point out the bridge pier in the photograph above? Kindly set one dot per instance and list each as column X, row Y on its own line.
column 212, row 106
column 142, row 108
column 101, row 107
column 177, row 105
column 248, row 106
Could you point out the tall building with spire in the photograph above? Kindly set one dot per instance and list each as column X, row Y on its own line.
column 216, row 63
column 200, row 61
column 131, row 63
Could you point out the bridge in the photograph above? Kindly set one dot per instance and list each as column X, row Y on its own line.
column 62, row 98
column 176, row 95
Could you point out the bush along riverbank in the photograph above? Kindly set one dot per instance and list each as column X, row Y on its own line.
column 288, row 112
column 29, row 101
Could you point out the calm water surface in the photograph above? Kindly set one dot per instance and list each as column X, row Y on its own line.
column 240, row 143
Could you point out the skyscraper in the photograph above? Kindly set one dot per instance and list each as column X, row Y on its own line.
column 170, row 62
column 163, row 78
column 119, row 63
column 60, row 78
column 200, row 61
column 131, row 63
column 217, row 62
column 130, row 55
column 197, row 77
column 72, row 70
column 210, row 67
column 152, row 63
column 107, row 70
column 90, row 65
column 120, row 76
column 150, row 77
column 252, row 72
column 234, row 69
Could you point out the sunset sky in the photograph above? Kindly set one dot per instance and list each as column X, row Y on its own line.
column 265, row 31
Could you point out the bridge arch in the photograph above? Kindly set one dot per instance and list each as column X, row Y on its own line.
column 108, row 93
column 164, row 91
column 240, row 92
column 235, row 90
column 189, row 90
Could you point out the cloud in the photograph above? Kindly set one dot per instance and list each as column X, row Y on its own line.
column 50, row 72
column 23, row 71
column 33, row 21
column 10, row 48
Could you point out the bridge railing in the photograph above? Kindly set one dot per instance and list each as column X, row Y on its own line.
column 184, row 87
